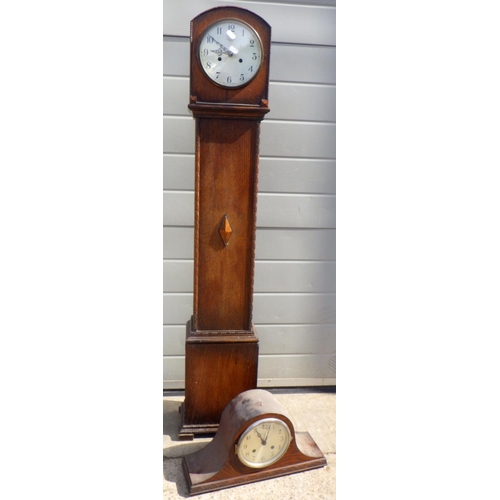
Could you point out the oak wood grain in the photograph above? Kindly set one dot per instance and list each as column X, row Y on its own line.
column 219, row 366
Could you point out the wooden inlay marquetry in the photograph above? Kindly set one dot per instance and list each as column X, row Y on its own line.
column 225, row 230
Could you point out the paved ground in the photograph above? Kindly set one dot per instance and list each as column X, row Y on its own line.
column 311, row 410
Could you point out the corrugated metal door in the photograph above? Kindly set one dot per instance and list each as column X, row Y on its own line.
column 294, row 301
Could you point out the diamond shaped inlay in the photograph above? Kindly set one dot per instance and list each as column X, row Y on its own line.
column 225, row 230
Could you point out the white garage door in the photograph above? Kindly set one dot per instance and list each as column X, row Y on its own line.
column 294, row 301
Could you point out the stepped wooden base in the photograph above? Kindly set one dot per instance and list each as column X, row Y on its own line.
column 219, row 366
column 188, row 431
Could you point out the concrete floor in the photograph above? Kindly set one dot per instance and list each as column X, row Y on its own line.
column 311, row 410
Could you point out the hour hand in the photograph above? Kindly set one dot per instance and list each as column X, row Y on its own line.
column 219, row 51
column 260, row 437
column 223, row 49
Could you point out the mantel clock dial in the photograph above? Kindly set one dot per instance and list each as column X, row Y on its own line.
column 264, row 443
column 230, row 53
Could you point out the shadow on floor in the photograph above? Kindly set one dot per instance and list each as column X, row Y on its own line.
column 172, row 472
column 172, row 446
column 171, row 418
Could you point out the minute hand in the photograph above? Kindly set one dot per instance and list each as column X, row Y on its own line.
column 267, row 435
column 226, row 50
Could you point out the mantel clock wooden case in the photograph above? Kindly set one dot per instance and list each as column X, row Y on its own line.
column 256, row 440
column 229, row 81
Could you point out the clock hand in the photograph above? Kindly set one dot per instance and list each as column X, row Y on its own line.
column 268, row 431
column 267, row 435
column 230, row 52
column 219, row 51
column 260, row 437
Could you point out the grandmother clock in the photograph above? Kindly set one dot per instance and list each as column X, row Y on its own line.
column 229, row 80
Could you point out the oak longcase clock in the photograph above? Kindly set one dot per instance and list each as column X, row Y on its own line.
column 229, row 81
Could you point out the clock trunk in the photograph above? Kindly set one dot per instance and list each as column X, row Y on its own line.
column 226, row 192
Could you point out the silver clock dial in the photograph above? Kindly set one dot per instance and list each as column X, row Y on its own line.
column 230, row 53
column 264, row 443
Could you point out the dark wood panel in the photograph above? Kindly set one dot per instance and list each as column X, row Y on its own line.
column 223, row 370
column 224, row 302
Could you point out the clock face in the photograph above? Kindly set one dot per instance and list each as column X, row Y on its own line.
column 264, row 443
column 230, row 53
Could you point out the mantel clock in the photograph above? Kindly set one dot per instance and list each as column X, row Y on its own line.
column 256, row 440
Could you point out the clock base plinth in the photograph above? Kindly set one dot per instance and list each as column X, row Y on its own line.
column 187, row 431
column 219, row 366
column 201, row 478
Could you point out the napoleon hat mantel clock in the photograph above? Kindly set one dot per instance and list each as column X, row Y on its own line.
column 256, row 440
column 229, row 81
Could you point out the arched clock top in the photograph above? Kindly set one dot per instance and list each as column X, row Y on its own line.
column 230, row 55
